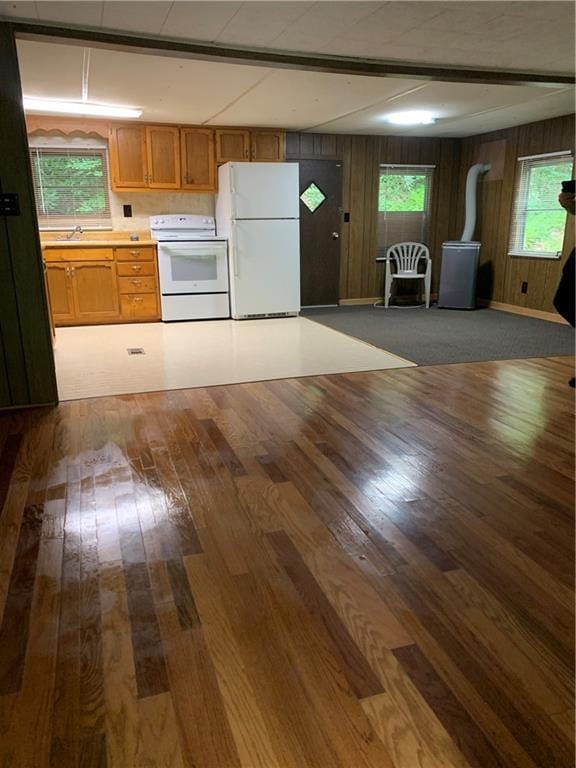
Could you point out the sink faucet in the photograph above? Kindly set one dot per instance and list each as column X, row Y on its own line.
column 77, row 229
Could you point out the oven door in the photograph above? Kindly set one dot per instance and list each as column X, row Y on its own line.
column 193, row 267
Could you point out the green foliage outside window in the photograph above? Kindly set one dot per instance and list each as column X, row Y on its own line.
column 544, row 220
column 70, row 185
column 401, row 192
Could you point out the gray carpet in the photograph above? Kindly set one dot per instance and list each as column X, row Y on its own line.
column 436, row 336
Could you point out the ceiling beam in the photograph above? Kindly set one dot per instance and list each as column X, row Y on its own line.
column 120, row 41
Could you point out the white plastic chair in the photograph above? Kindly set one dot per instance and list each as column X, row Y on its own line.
column 407, row 257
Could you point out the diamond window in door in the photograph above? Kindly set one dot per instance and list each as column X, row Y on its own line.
column 312, row 197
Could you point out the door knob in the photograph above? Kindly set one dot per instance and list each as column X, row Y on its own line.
column 335, row 235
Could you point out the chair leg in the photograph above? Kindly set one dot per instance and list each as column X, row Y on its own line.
column 427, row 282
column 387, row 288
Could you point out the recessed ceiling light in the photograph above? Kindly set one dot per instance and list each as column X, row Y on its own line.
column 32, row 104
column 411, row 117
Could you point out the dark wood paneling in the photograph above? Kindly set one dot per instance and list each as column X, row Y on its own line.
column 360, row 275
column 501, row 276
column 24, row 320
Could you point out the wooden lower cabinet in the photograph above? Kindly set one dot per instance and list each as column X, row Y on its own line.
column 60, row 292
column 95, row 289
column 139, row 306
column 92, row 292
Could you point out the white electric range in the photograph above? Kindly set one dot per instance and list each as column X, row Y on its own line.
column 193, row 267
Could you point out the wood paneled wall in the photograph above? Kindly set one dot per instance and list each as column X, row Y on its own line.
column 27, row 374
column 360, row 275
column 501, row 276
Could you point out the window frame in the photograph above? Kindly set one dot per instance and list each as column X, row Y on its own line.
column 520, row 209
column 79, row 148
column 407, row 169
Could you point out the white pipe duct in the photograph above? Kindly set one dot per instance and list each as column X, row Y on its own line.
column 471, row 184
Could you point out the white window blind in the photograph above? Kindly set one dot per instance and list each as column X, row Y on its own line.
column 404, row 196
column 71, row 186
column 538, row 221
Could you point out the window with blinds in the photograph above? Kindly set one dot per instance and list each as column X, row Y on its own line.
column 538, row 221
column 404, row 196
column 71, row 186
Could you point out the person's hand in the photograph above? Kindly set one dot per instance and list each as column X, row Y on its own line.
column 568, row 201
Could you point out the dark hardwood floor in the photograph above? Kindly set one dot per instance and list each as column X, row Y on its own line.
column 370, row 570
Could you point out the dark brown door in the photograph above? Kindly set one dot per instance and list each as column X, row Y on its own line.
column 320, row 216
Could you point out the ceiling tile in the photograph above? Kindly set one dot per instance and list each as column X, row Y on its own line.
column 169, row 89
column 87, row 14
column 145, row 17
column 18, row 10
column 328, row 19
column 449, row 102
column 391, row 20
column 260, row 23
column 298, row 100
column 199, row 21
column 50, row 71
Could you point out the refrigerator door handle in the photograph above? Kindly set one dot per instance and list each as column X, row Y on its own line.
column 232, row 193
column 235, row 261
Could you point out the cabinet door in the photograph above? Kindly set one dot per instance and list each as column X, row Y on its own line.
column 232, row 145
column 268, row 146
column 60, row 292
column 198, row 164
column 163, row 150
column 95, row 288
column 128, row 157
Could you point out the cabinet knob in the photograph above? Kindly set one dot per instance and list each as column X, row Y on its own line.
column 135, row 253
column 136, row 282
column 136, row 267
column 138, row 299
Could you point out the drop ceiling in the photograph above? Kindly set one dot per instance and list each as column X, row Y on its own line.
column 174, row 90
column 531, row 36
column 525, row 35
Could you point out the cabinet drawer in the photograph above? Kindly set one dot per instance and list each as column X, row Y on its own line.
column 137, row 269
column 137, row 284
column 135, row 254
column 78, row 254
column 139, row 305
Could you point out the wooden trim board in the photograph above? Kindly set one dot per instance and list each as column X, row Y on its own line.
column 552, row 317
column 354, row 302
column 30, row 30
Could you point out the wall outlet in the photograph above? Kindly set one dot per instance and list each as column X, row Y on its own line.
column 524, row 287
column 127, row 211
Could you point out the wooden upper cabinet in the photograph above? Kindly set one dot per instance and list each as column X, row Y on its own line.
column 163, row 154
column 268, row 146
column 198, row 163
column 128, row 159
column 232, row 144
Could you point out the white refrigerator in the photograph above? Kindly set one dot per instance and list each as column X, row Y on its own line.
column 258, row 211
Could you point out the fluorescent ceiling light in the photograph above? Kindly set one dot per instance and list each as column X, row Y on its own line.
column 78, row 108
column 410, row 117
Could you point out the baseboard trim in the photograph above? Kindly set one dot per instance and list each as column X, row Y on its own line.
column 366, row 300
column 540, row 314
column 374, row 299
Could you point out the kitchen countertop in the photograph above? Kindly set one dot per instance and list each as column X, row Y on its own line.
column 112, row 243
